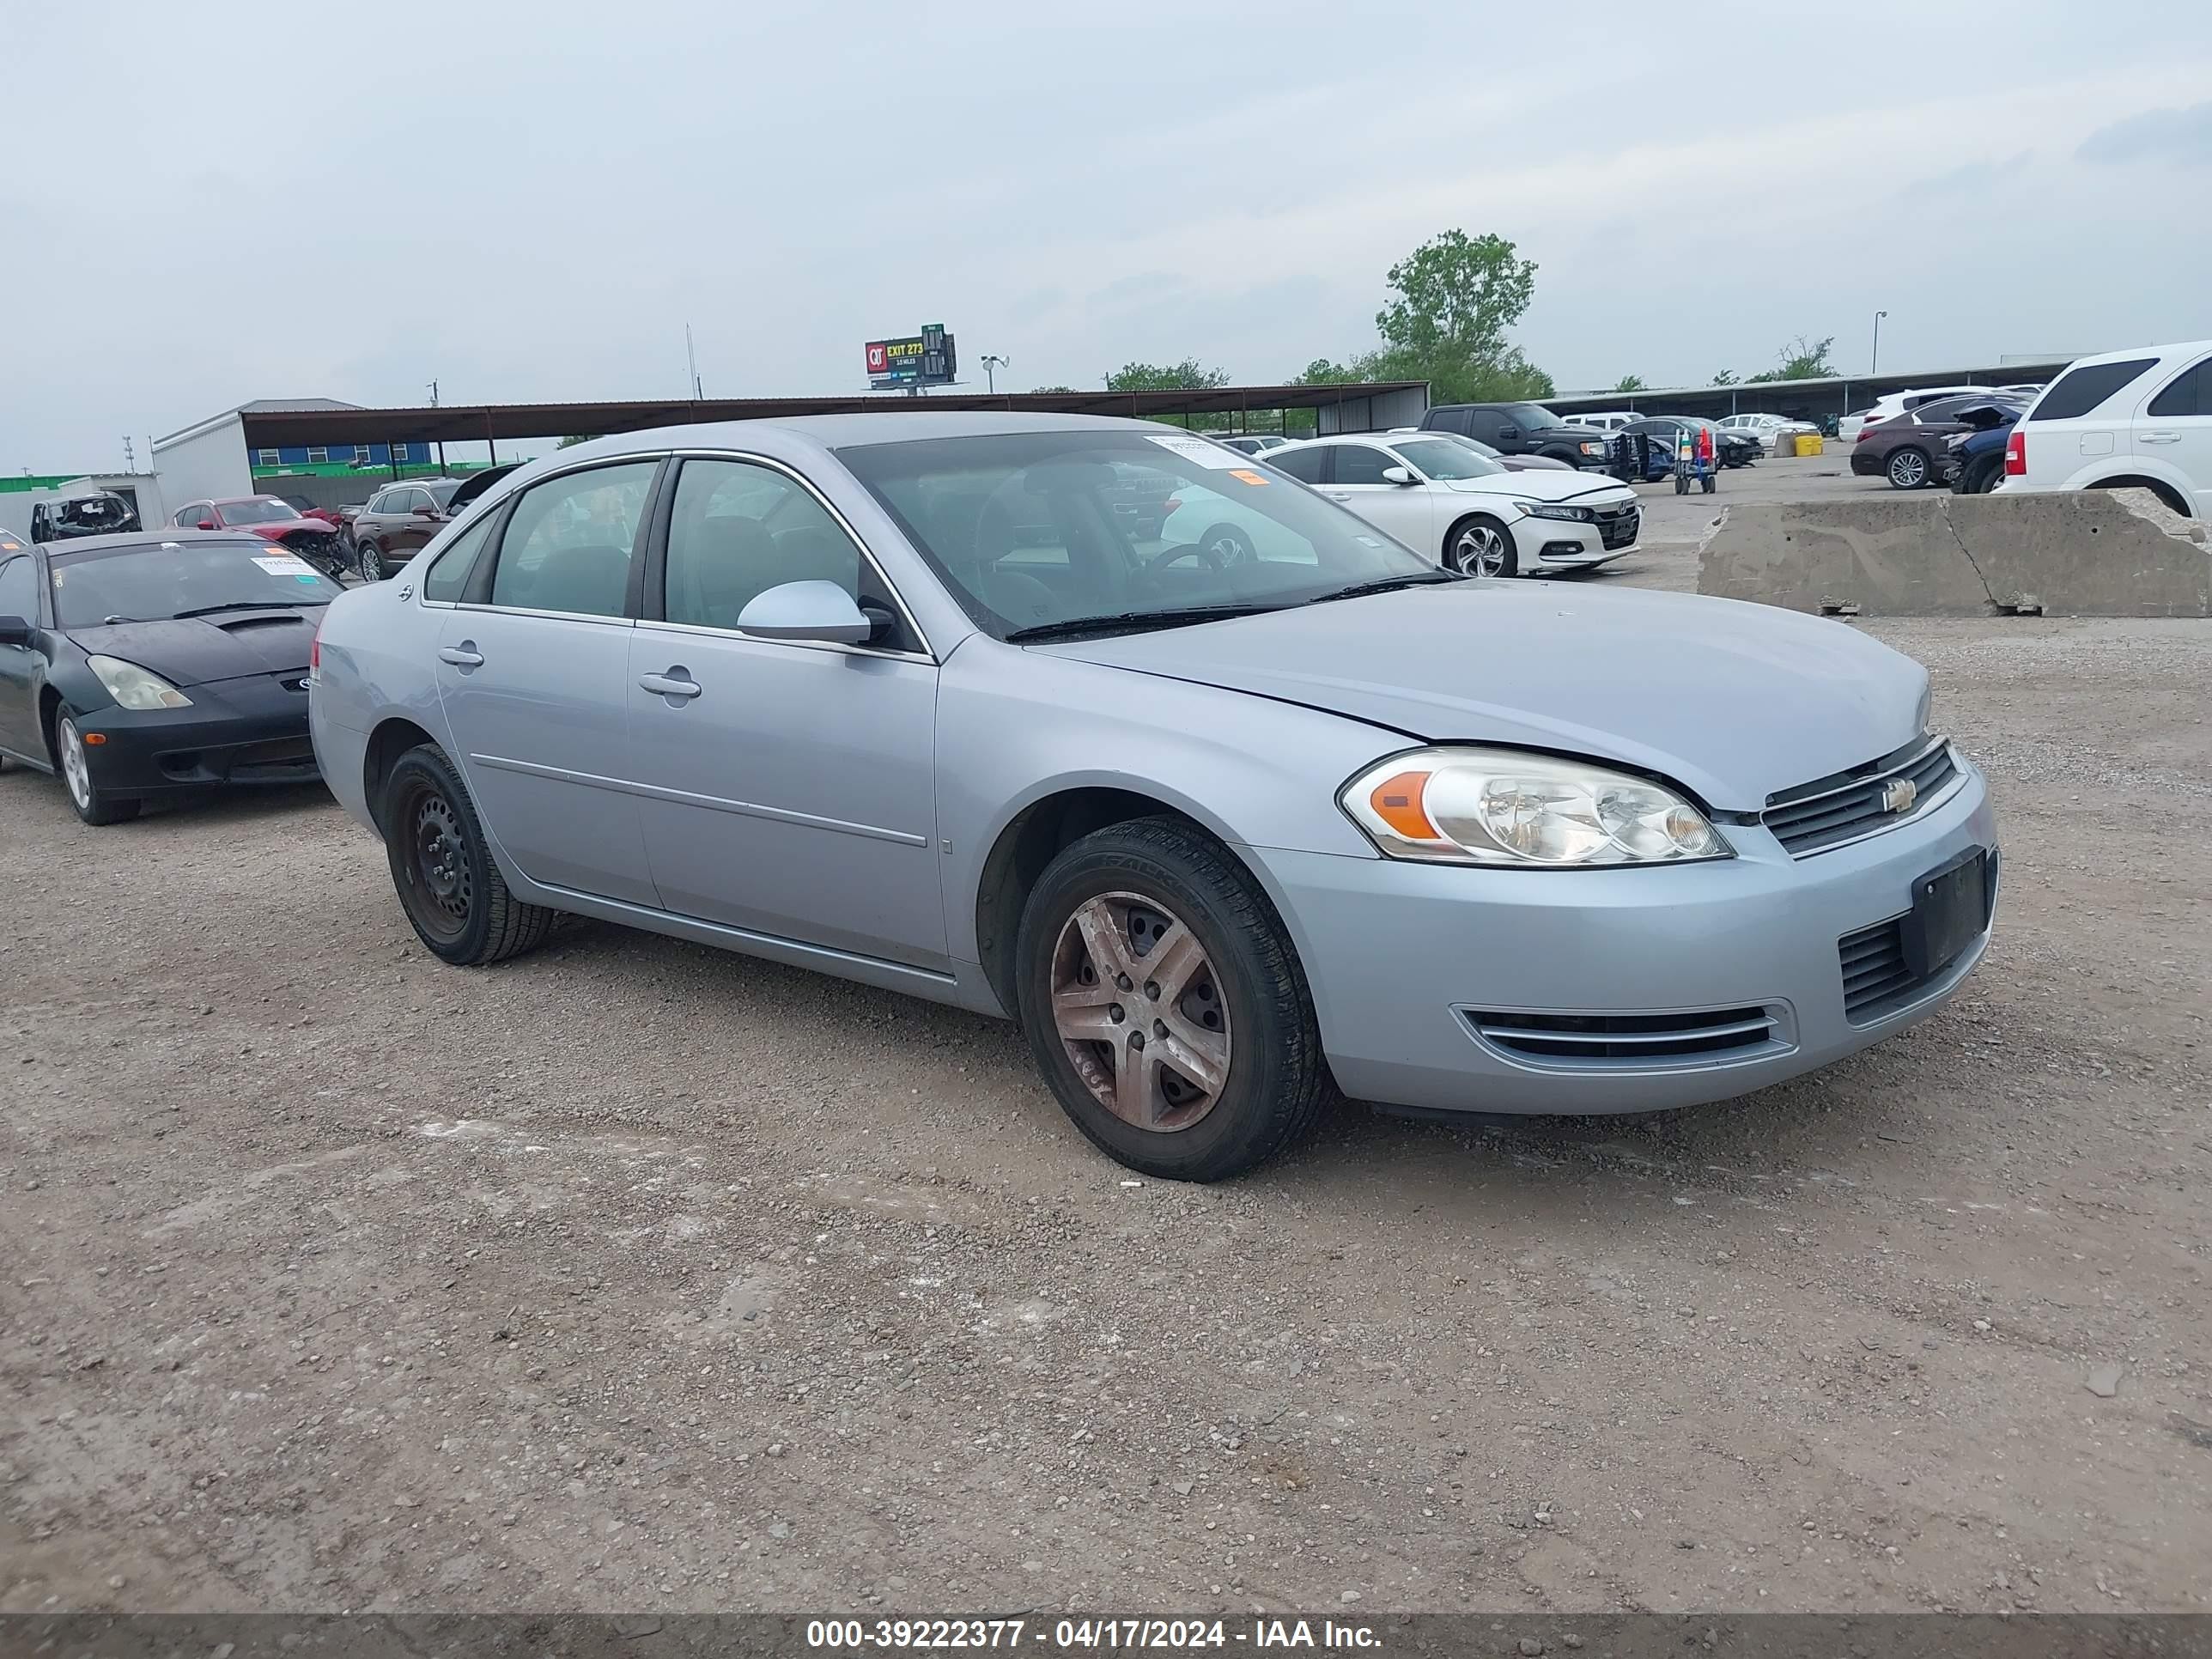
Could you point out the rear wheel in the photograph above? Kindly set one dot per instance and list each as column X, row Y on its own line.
column 1907, row 468
column 1981, row 475
column 1481, row 546
column 370, row 561
column 1165, row 1004
column 441, row 864
column 93, row 804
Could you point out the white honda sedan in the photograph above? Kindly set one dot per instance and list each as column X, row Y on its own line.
column 1442, row 498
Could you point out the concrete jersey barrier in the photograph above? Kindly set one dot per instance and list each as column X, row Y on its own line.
column 2082, row 553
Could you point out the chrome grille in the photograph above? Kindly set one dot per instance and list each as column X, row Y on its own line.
column 1631, row 1041
column 1850, row 805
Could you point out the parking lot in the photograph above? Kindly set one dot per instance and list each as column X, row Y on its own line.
column 631, row 1274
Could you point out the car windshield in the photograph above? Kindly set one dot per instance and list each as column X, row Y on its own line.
column 442, row 489
column 1442, row 460
column 1529, row 416
column 1032, row 530
column 261, row 509
column 154, row 581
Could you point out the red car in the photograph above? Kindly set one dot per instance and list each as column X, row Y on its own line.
column 337, row 516
column 317, row 540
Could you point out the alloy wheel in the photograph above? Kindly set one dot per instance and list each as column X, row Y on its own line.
column 1480, row 551
column 1135, row 1000
column 77, row 771
column 1908, row 469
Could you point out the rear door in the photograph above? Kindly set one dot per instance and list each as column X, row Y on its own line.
column 533, row 675
column 2083, row 418
column 1408, row 512
column 2175, row 431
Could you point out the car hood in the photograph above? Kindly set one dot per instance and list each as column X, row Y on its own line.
column 199, row 649
column 1568, row 485
column 1733, row 701
column 291, row 528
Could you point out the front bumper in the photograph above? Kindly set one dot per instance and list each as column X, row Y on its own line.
column 1570, row 544
column 1407, row 960
column 248, row 731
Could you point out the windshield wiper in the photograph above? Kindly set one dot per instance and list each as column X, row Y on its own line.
column 1387, row 584
column 1134, row 619
column 247, row 605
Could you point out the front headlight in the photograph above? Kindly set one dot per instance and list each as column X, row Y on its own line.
column 1504, row 807
column 133, row 686
column 1592, row 449
column 1555, row 510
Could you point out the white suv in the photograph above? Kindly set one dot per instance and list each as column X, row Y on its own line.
column 2140, row 418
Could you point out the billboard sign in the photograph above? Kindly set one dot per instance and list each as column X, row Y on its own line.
column 914, row 360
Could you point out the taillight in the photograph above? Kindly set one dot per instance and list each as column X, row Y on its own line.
column 1171, row 503
column 2016, row 454
column 1866, row 432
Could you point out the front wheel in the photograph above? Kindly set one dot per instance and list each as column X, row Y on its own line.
column 1163, row 1002
column 93, row 804
column 441, row 864
column 1481, row 546
column 1907, row 469
column 1227, row 545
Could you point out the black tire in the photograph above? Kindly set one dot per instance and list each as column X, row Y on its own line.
column 370, row 559
column 1908, row 467
column 1276, row 1077
column 454, row 897
column 95, row 805
column 1709, row 483
column 1979, row 475
column 1479, row 541
column 1229, row 545
column 1681, row 485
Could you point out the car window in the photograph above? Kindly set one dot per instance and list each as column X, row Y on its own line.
column 1356, row 464
column 2189, row 393
column 449, row 576
column 261, row 509
column 2079, row 390
column 1943, row 409
column 1303, row 464
column 154, row 581
column 569, row 540
column 19, row 588
column 1446, row 458
column 739, row 529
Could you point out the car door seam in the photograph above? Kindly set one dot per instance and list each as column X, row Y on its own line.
column 688, row 797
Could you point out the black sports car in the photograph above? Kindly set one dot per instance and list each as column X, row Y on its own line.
column 157, row 663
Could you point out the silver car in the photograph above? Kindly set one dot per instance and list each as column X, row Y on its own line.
column 900, row 696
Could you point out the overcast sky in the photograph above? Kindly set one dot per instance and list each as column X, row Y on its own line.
column 210, row 203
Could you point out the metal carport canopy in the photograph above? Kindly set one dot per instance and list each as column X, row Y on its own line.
column 468, row 423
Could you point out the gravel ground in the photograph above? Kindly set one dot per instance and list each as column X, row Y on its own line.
column 631, row 1275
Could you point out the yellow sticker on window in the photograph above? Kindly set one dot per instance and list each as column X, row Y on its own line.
column 1248, row 477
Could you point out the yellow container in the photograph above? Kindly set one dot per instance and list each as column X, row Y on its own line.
column 1809, row 443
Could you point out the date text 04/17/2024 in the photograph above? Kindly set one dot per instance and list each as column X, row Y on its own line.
column 1084, row 1635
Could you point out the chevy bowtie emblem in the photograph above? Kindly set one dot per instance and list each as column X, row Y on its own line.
column 1898, row 794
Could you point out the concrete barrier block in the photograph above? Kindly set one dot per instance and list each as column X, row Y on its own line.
column 2085, row 553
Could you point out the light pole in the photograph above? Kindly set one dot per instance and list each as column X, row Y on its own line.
column 1875, row 364
column 442, row 442
column 991, row 361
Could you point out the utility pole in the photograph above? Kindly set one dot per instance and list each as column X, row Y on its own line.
column 1874, row 365
column 130, row 461
column 691, row 355
column 442, row 442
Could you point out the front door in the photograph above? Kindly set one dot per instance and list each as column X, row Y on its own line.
column 532, row 683
column 19, row 663
column 414, row 523
column 785, row 789
column 1405, row 511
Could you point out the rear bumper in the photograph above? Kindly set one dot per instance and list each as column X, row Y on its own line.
column 1867, row 465
column 1409, row 962
column 237, row 731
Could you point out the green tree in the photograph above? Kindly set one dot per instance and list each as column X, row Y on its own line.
column 1185, row 376
column 1457, row 295
column 1802, row 359
column 1052, row 388
column 1726, row 377
column 1630, row 383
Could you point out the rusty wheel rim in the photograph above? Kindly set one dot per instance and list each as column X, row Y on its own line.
column 1140, row 1011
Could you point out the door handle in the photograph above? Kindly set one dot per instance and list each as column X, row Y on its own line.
column 1338, row 495
column 464, row 655
column 2158, row 437
column 662, row 685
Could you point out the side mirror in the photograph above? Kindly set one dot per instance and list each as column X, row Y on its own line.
column 1399, row 475
column 14, row 630
column 207, row 524
column 818, row 611
column 1507, row 434
column 426, row 512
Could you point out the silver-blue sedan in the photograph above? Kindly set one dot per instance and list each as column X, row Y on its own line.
column 905, row 698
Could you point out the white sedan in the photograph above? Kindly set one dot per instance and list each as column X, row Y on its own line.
column 1444, row 499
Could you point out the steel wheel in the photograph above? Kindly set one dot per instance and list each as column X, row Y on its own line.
column 77, row 771
column 440, row 889
column 1480, row 548
column 1135, row 1001
column 1908, row 469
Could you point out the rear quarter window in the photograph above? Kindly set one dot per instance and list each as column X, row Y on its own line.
column 2189, row 393
column 2079, row 390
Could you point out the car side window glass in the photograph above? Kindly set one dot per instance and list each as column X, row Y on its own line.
column 568, row 542
column 19, row 588
column 2190, row 392
column 738, row 528
column 1356, row 464
column 1303, row 464
column 449, row 576
column 2079, row 390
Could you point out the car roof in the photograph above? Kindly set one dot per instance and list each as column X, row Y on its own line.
column 239, row 501
column 2180, row 349
column 147, row 538
column 855, row 431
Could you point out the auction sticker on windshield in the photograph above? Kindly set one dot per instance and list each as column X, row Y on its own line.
column 1238, row 472
column 1205, row 453
column 285, row 564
